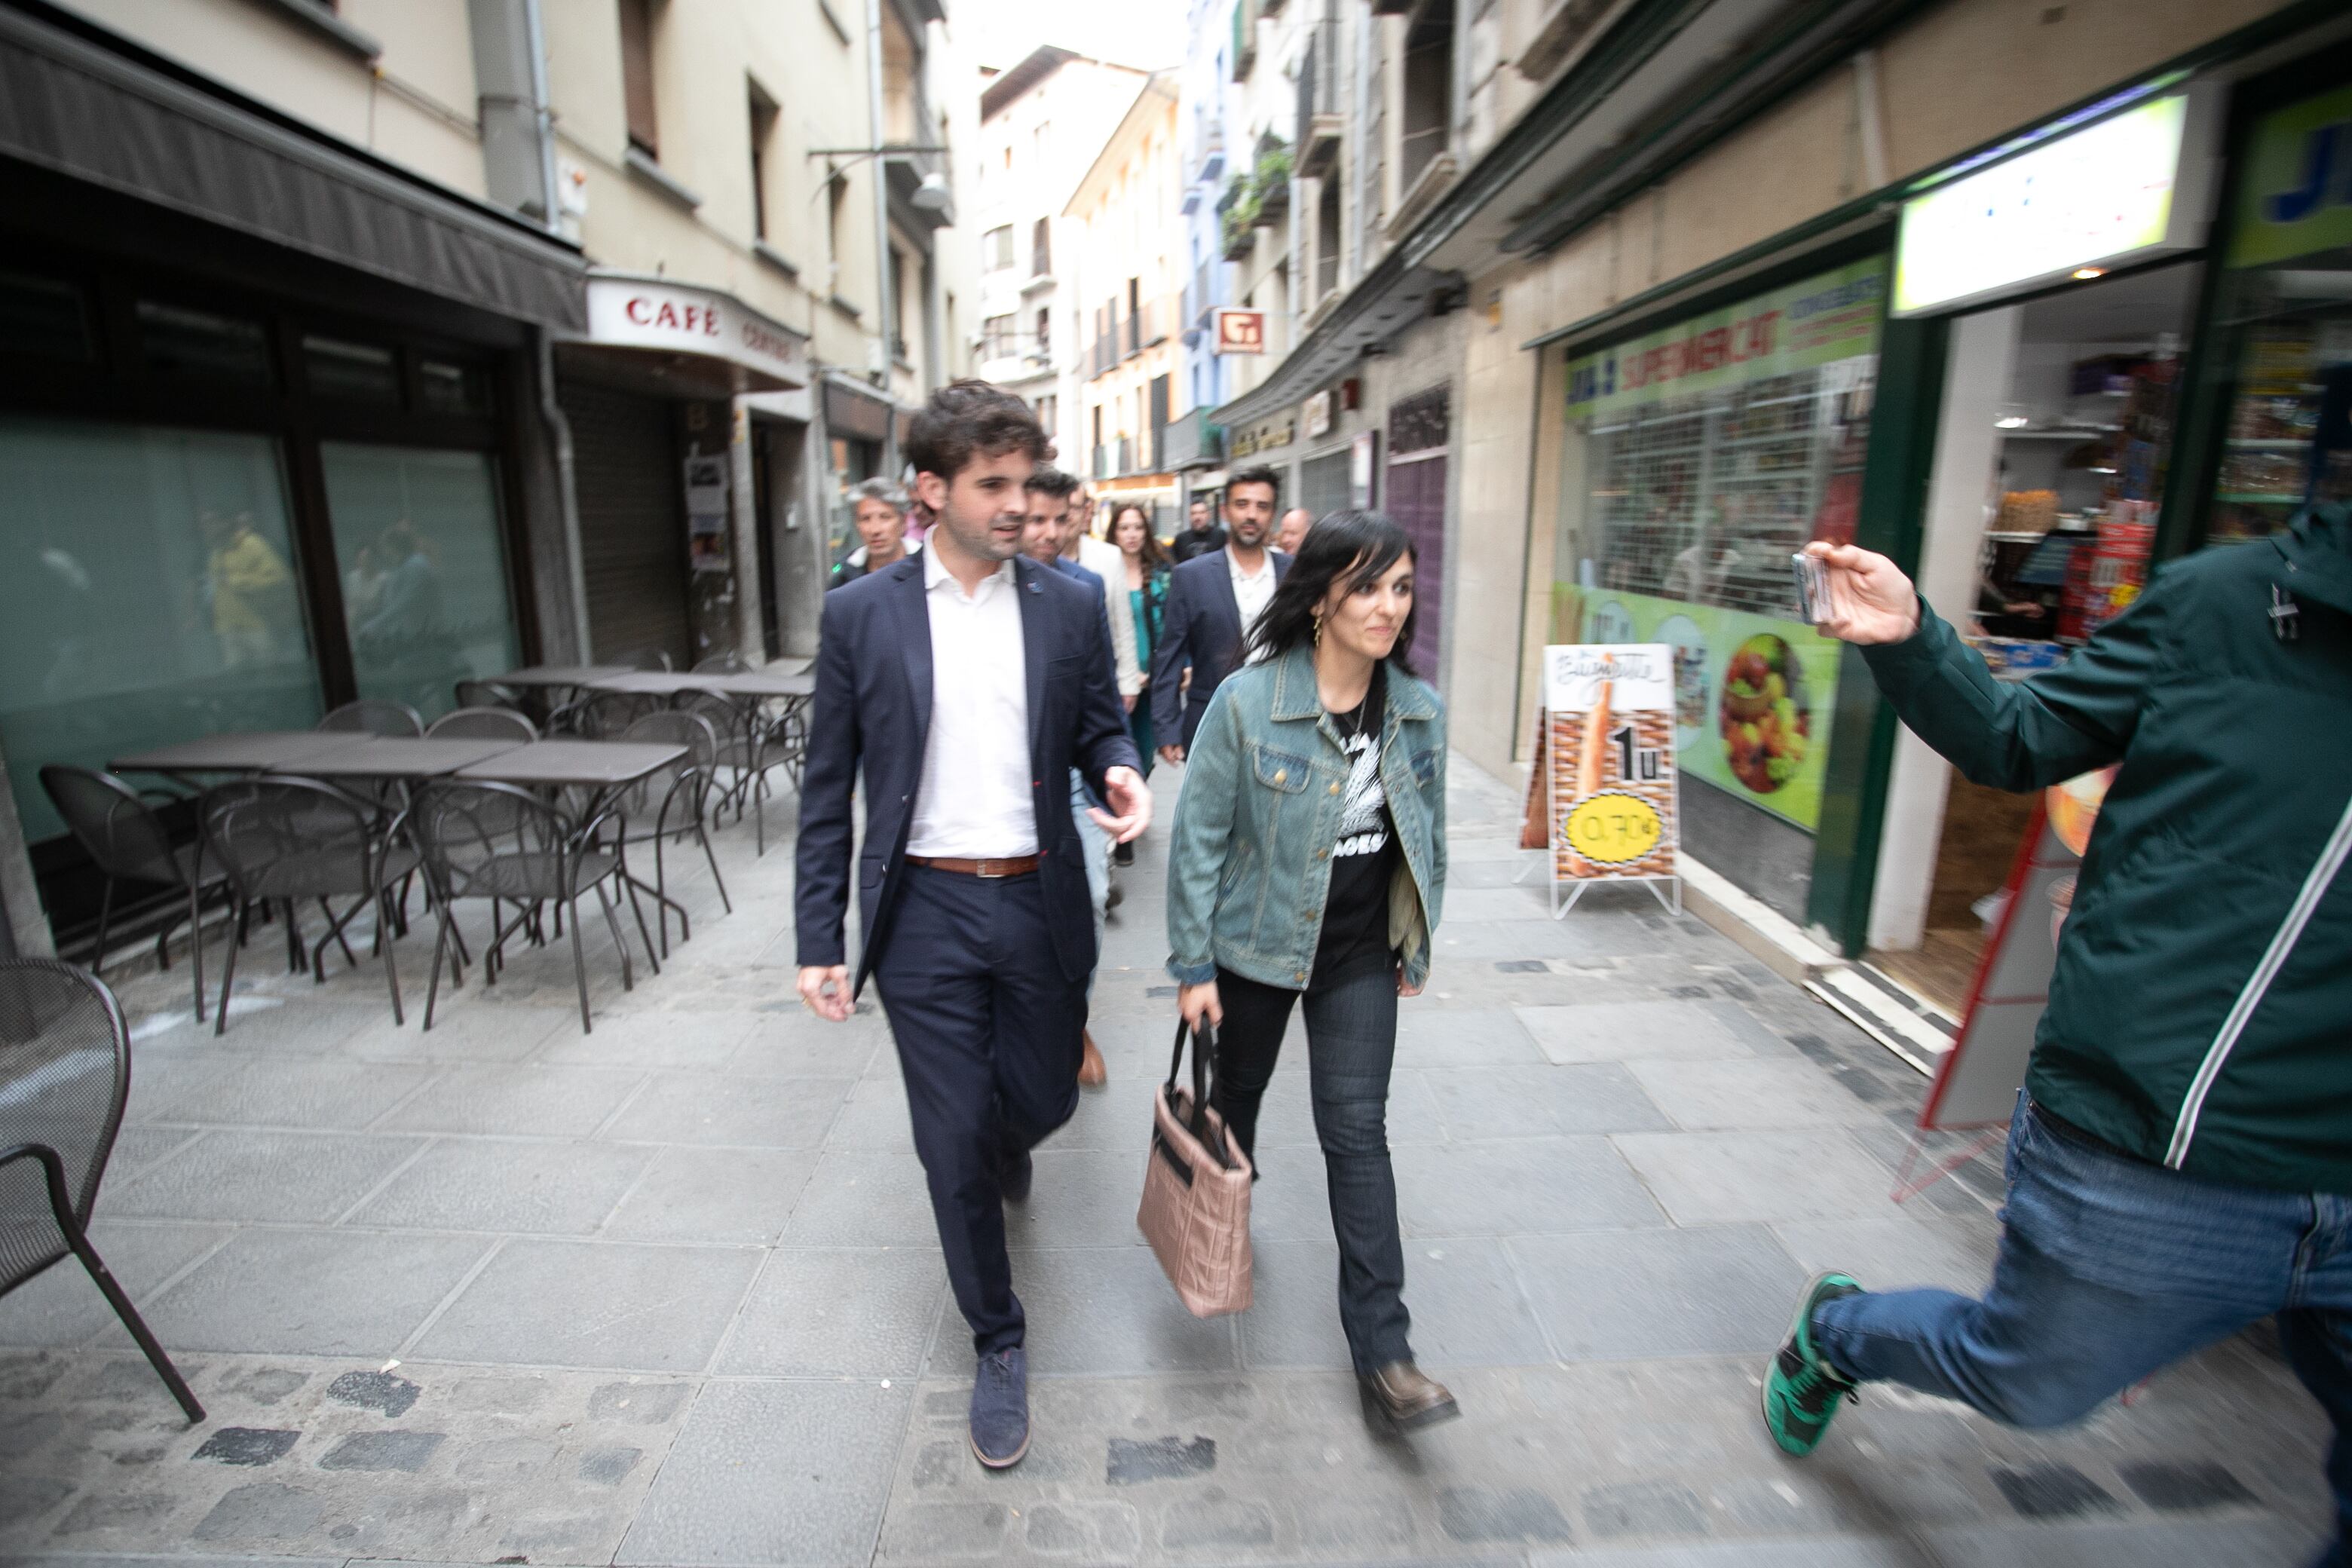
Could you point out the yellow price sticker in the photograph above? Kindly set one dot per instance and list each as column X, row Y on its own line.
column 1614, row 829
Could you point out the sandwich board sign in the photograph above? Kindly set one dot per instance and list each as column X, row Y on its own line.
column 1606, row 761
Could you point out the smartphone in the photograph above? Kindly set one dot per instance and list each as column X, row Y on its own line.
column 1812, row 587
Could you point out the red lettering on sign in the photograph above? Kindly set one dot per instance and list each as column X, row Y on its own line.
column 636, row 309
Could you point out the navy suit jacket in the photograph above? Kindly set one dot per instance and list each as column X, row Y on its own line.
column 873, row 711
column 1201, row 627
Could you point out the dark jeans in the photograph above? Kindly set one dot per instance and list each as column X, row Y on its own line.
column 988, row 1031
column 1350, row 1043
column 2109, row 1269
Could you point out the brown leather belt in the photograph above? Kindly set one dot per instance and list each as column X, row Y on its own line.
column 1018, row 866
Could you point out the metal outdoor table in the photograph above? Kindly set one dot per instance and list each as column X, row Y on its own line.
column 575, row 764
column 407, row 757
column 557, row 674
column 252, row 751
column 756, row 684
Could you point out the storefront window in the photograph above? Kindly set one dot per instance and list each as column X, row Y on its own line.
column 424, row 570
column 148, row 595
column 2289, row 297
column 1698, row 459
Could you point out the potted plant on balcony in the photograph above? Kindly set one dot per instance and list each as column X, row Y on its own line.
column 1270, row 183
column 1239, row 208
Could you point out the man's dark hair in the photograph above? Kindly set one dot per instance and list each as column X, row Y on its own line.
column 1257, row 475
column 1048, row 481
column 968, row 419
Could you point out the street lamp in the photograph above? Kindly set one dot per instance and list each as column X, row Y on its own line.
column 932, row 195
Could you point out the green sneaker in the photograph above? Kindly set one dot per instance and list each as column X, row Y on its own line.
column 1801, row 1390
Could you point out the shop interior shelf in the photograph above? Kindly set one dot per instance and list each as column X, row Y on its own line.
column 2270, row 443
column 2072, row 433
column 2249, row 499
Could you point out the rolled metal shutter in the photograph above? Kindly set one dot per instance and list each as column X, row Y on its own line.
column 625, row 472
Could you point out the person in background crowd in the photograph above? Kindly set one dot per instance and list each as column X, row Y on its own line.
column 1212, row 602
column 952, row 681
column 1144, row 575
column 1323, row 881
column 880, row 513
column 1045, row 532
column 2180, row 1161
column 1293, row 532
column 1199, row 537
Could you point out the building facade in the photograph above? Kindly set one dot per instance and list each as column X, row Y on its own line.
column 1686, row 278
column 363, row 349
column 1128, row 282
column 1041, row 124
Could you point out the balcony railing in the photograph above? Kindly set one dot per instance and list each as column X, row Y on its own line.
column 1193, row 442
column 1319, row 117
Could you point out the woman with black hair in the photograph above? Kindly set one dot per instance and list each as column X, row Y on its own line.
column 1308, row 860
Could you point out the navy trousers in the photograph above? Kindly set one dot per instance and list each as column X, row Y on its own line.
column 988, row 1031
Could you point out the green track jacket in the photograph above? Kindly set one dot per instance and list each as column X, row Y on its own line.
column 2202, row 1013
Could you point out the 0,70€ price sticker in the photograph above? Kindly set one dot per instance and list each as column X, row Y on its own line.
column 1614, row 829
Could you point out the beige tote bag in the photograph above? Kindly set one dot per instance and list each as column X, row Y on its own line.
column 1196, row 1191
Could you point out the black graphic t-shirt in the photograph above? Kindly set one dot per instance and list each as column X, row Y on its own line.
column 1356, row 915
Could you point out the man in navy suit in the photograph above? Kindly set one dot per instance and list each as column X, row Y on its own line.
column 966, row 683
column 1212, row 601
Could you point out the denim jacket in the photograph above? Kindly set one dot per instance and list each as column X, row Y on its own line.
column 1250, row 869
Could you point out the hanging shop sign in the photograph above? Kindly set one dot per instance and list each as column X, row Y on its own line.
column 2131, row 186
column 643, row 313
column 1823, row 319
column 2296, row 194
column 1606, row 756
column 1240, row 331
column 1752, row 696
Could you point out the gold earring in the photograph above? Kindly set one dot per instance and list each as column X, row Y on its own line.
column 1319, row 631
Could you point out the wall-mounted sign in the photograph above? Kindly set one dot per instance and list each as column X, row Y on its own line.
column 1251, row 439
column 1240, row 331
column 636, row 313
column 1822, row 320
column 2132, row 185
column 2296, row 194
column 1317, row 414
column 1363, row 463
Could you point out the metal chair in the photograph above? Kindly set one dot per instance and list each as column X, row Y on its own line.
column 671, row 803
column 602, row 715
column 750, row 745
column 129, row 842
column 482, row 724
column 65, row 1072
column 487, row 694
column 647, row 658
column 376, row 716
column 289, row 838
column 722, row 664
column 498, row 842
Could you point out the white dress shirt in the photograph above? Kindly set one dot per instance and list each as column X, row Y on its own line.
column 1253, row 591
column 974, row 802
column 1108, row 562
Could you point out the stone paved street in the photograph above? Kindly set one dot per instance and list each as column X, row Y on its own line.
column 668, row 1292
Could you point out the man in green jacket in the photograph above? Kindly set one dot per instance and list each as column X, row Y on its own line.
column 2180, row 1162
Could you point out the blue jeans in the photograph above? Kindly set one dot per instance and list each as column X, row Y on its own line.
column 2111, row 1269
column 1352, row 1016
column 1095, row 843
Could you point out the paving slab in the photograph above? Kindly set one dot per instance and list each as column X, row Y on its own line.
column 595, row 1304
column 309, row 1292
column 774, row 1473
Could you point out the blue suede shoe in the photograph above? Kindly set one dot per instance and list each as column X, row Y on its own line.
column 1000, row 1408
